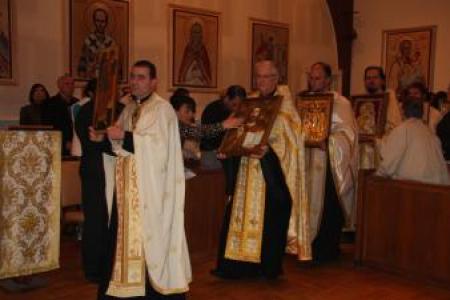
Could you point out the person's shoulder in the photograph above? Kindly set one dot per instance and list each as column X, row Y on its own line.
column 55, row 100
column 161, row 106
column 213, row 106
column 55, row 97
column 25, row 110
column 26, row 107
column 339, row 97
column 86, row 106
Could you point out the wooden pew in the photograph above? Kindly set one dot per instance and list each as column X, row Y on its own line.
column 204, row 208
column 404, row 227
column 204, row 205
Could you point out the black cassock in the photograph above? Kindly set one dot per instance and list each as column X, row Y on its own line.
column 276, row 222
column 325, row 246
column 95, row 227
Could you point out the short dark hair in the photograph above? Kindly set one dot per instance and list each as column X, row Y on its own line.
column 147, row 64
column 413, row 108
column 236, row 91
column 377, row 68
column 181, row 92
column 34, row 87
column 178, row 101
column 325, row 67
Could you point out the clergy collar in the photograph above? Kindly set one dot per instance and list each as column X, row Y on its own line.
column 141, row 100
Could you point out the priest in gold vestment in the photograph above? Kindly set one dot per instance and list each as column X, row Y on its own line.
column 145, row 186
column 331, row 174
column 270, row 183
column 375, row 83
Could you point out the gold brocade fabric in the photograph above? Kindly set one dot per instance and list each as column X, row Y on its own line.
column 128, row 277
column 30, row 179
column 247, row 218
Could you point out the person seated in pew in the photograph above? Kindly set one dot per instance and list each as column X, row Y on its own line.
column 190, row 133
column 412, row 151
column 431, row 115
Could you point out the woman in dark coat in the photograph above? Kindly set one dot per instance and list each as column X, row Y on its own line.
column 32, row 114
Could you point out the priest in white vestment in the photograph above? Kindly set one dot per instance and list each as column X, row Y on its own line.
column 151, row 258
column 375, row 84
column 412, row 151
column 331, row 174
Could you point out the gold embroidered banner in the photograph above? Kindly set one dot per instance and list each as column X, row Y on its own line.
column 30, row 178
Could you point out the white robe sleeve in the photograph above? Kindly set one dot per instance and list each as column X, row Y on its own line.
column 391, row 148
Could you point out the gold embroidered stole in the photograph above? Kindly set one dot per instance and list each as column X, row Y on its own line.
column 247, row 217
column 244, row 238
column 128, row 278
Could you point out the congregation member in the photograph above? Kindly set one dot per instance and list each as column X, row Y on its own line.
column 443, row 130
column 88, row 95
column 58, row 114
column 33, row 113
column 412, row 151
column 93, row 197
column 375, row 84
column 190, row 132
column 331, row 173
column 217, row 111
column 149, row 185
column 269, row 182
column 431, row 115
column 440, row 102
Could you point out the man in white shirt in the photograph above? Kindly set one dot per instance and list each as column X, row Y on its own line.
column 412, row 151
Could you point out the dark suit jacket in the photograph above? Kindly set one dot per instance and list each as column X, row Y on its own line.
column 57, row 114
column 32, row 114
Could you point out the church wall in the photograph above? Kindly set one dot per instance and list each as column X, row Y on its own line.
column 375, row 16
column 43, row 39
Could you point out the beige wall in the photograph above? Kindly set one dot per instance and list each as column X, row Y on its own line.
column 375, row 16
column 43, row 39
